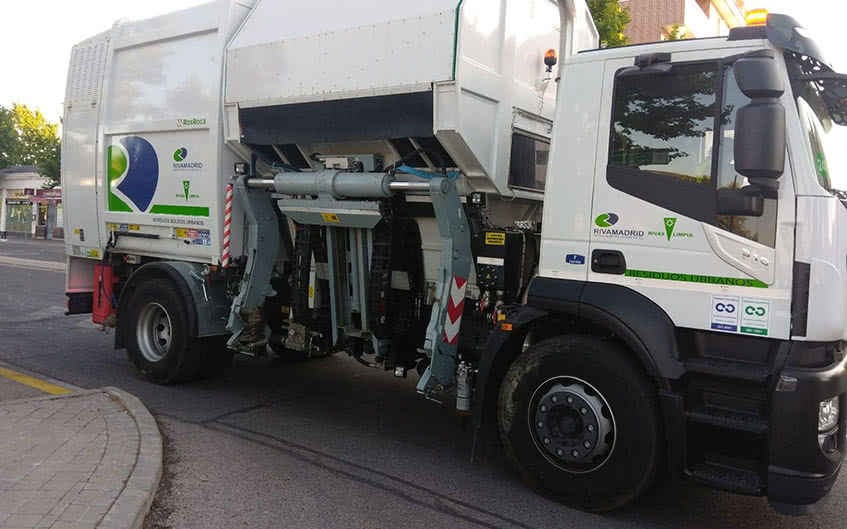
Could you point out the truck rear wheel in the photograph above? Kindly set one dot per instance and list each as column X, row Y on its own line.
column 156, row 328
column 579, row 420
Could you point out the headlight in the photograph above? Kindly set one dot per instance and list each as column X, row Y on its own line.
column 828, row 414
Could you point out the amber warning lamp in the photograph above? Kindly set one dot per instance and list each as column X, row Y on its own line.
column 550, row 59
column 756, row 17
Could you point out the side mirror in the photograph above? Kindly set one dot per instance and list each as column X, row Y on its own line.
column 758, row 75
column 760, row 125
column 745, row 202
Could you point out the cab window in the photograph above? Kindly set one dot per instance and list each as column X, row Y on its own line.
column 662, row 135
column 672, row 143
column 528, row 163
column 759, row 229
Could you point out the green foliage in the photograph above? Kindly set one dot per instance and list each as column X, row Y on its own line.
column 9, row 144
column 50, row 165
column 611, row 21
column 27, row 138
column 675, row 33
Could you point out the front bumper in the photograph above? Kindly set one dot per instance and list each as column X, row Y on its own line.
column 801, row 472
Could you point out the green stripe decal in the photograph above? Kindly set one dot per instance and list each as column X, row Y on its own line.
column 456, row 37
column 696, row 278
column 188, row 211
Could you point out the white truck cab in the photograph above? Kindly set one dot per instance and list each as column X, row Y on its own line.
column 707, row 230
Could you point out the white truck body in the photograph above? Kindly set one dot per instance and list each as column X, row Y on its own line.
column 679, row 298
column 176, row 82
column 159, row 80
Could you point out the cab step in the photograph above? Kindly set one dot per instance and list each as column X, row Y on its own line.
column 728, row 419
column 728, row 369
column 734, row 480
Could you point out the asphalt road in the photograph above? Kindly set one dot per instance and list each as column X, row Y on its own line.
column 327, row 443
column 52, row 250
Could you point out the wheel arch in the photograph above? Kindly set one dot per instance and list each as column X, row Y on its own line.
column 178, row 273
column 556, row 307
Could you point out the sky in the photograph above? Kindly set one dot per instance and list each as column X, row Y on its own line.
column 36, row 37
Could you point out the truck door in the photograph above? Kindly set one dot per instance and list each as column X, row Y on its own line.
column 79, row 148
column 664, row 150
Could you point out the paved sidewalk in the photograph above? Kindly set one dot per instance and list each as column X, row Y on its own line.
column 84, row 460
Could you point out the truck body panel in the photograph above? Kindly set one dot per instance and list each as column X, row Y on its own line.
column 167, row 79
column 150, row 134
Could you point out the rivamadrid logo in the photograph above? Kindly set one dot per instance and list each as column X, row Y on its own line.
column 180, row 163
column 604, row 223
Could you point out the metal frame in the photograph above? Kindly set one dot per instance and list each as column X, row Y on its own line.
column 440, row 375
column 263, row 229
column 350, row 240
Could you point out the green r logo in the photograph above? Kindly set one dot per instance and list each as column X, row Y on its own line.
column 670, row 223
column 606, row 220
column 180, row 154
column 755, row 311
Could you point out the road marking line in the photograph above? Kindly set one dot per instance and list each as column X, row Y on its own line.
column 33, row 382
column 52, row 266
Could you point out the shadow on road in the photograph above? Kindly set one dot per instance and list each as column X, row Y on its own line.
column 374, row 430
column 329, row 443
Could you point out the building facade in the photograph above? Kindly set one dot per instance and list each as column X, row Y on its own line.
column 27, row 210
column 654, row 20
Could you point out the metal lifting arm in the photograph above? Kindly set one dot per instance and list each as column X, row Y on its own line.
column 333, row 187
column 263, row 247
column 442, row 334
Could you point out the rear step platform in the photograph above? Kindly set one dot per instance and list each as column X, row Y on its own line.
column 728, row 419
column 727, row 479
column 728, row 369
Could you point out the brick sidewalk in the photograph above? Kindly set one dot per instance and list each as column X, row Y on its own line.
column 77, row 461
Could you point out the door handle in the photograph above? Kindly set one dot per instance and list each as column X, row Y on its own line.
column 608, row 262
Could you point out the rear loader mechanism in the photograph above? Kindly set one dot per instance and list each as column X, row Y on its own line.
column 353, row 209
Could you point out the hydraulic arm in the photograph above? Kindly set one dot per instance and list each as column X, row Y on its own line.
column 348, row 205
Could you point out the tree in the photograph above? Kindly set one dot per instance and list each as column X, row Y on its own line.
column 9, row 144
column 675, row 33
column 39, row 143
column 611, row 21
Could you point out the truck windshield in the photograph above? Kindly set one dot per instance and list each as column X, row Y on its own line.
column 824, row 125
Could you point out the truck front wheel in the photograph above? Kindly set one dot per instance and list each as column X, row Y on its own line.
column 579, row 420
column 156, row 327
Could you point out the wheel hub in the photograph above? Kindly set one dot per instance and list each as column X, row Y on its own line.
column 154, row 331
column 572, row 426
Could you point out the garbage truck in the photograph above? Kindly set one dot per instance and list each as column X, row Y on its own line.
column 629, row 262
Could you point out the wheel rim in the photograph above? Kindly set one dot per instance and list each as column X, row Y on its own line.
column 154, row 331
column 572, row 424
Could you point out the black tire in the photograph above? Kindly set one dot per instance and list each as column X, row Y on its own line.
column 181, row 357
column 625, row 465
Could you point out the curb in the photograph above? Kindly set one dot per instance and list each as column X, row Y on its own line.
column 74, row 395
column 76, row 390
column 131, row 506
